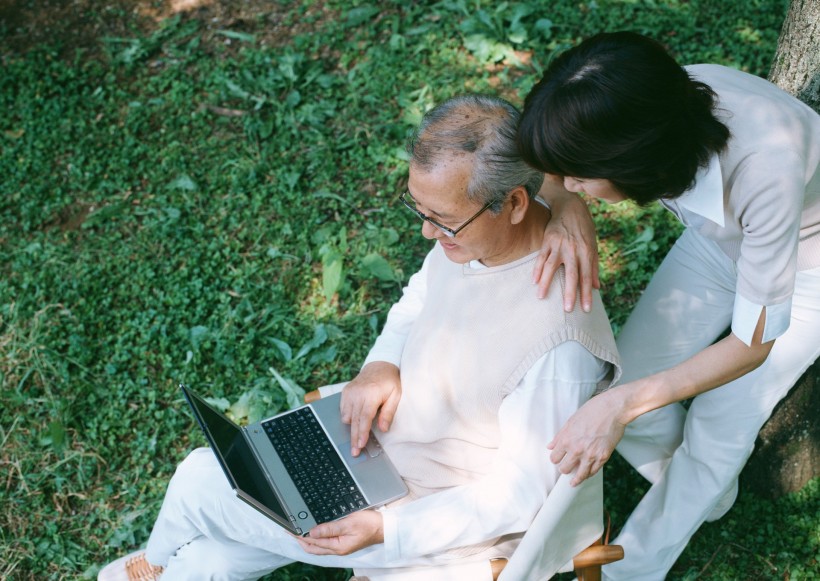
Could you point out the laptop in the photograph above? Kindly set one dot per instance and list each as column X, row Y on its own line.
column 296, row 467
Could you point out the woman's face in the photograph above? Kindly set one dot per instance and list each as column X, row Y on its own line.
column 595, row 187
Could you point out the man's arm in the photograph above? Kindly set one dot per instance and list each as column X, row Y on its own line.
column 507, row 498
column 376, row 390
column 569, row 239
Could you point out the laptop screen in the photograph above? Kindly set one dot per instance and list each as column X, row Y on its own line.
column 239, row 463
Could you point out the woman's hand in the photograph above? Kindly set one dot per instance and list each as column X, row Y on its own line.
column 569, row 239
column 588, row 438
column 376, row 390
column 342, row 537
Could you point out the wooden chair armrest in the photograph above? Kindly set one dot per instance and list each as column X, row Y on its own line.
column 312, row 396
column 592, row 556
column 598, row 555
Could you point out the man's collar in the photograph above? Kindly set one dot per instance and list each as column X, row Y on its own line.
column 705, row 198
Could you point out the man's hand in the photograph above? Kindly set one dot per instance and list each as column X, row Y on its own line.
column 569, row 239
column 342, row 537
column 588, row 438
column 376, row 390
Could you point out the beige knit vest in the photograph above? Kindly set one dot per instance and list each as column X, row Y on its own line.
column 478, row 334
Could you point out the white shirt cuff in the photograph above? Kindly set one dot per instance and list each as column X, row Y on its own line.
column 388, row 355
column 390, row 530
column 746, row 315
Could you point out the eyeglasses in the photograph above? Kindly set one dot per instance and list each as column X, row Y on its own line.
column 449, row 232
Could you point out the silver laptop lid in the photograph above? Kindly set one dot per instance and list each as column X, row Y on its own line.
column 237, row 460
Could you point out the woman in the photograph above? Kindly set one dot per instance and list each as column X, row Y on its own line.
column 736, row 159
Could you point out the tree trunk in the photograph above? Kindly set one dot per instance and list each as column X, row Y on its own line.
column 796, row 65
column 787, row 451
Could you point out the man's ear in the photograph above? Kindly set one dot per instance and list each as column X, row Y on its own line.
column 519, row 203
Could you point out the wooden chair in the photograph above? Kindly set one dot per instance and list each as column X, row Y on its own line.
column 586, row 564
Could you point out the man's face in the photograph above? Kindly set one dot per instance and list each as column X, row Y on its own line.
column 441, row 194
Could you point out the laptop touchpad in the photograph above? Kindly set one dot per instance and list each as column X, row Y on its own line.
column 373, row 447
column 350, row 458
column 371, row 450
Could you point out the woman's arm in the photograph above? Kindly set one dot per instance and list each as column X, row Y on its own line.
column 569, row 239
column 587, row 440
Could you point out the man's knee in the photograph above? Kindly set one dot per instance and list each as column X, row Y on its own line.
column 202, row 559
column 200, row 466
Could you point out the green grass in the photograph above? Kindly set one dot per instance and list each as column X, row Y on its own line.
column 217, row 208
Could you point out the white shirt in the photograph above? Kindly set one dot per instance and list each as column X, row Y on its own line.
column 522, row 474
column 704, row 201
column 759, row 199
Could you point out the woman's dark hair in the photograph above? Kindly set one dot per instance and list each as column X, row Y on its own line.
column 619, row 107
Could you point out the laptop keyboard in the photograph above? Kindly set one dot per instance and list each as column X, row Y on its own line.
column 314, row 465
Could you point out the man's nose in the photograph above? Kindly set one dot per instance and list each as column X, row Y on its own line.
column 430, row 232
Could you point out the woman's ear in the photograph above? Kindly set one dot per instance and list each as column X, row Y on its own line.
column 519, row 203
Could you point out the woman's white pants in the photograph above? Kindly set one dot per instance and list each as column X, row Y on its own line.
column 693, row 458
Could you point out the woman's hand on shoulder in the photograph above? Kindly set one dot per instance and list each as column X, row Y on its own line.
column 569, row 239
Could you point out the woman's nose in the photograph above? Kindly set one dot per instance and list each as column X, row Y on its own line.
column 572, row 185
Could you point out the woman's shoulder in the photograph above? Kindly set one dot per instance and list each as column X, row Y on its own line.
column 726, row 81
column 761, row 117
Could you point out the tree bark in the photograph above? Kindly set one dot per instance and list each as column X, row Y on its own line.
column 796, row 64
column 787, row 451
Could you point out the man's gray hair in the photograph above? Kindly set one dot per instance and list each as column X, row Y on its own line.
column 483, row 126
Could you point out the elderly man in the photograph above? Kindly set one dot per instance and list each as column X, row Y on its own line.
column 468, row 382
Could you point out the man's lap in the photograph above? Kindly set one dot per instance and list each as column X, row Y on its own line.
column 201, row 496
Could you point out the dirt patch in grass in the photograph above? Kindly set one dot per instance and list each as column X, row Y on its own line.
column 85, row 24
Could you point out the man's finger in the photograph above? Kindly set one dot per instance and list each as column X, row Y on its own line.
column 388, row 411
column 363, row 424
column 356, row 436
column 345, row 409
column 330, row 530
column 317, row 549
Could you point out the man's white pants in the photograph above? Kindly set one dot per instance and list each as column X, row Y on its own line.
column 693, row 458
column 204, row 532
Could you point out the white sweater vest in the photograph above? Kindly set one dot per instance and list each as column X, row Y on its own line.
column 478, row 334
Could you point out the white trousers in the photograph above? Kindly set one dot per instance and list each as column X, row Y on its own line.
column 204, row 532
column 693, row 458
